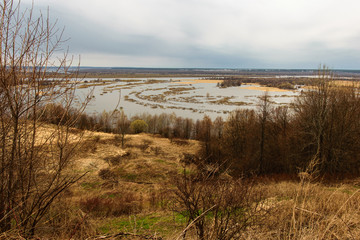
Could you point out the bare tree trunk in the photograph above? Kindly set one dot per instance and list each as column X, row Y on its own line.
column 32, row 169
column 263, row 118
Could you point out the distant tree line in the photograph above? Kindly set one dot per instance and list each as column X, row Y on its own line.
column 230, row 82
column 282, row 83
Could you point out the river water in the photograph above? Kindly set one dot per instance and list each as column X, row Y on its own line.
column 186, row 97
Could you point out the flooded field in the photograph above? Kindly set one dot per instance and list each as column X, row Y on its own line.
column 186, row 97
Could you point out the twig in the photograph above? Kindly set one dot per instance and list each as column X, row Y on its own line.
column 78, row 226
column 121, row 234
column 193, row 222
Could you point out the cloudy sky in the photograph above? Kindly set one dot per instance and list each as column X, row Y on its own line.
column 210, row 33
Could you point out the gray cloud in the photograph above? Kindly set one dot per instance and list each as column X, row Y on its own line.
column 211, row 33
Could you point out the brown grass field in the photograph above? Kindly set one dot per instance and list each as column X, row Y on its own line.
column 127, row 194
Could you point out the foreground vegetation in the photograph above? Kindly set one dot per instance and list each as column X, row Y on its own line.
column 264, row 174
column 283, row 173
column 148, row 190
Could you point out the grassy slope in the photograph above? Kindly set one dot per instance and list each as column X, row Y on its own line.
column 126, row 190
column 137, row 175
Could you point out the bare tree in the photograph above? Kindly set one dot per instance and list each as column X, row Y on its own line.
column 123, row 125
column 216, row 207
column 239, row 140
column 33, row 158
column 263, row 115
column 205, row 137
column 327, row 117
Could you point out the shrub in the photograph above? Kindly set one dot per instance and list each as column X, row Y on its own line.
column 218, row 208
column 106, row 174
column 114, row 160
column 156, row 150
column 139, row 126
column 189, row 158
column 180, row 142
column 114, row 204
column 145, row 144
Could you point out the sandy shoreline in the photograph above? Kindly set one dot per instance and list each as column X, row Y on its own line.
column 263, row 88
column 194, row 81
column 245, row 86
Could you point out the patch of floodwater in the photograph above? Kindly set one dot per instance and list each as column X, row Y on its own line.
column 167, row 95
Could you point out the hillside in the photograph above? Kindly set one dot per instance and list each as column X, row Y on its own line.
column 133, row 193
column 125, row 190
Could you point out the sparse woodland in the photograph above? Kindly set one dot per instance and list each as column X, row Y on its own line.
column 288, row 172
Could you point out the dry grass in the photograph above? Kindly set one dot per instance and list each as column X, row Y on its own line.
column 126, row 190
column 306, row 210
column 139, row 172
column 346, row 83
column 338, row 83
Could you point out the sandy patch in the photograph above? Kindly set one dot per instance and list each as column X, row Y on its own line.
column 195, row 81
column 260, row 88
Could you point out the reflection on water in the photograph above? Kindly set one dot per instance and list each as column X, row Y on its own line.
column 183, row 96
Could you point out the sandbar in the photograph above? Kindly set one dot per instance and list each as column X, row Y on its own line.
column 194, row 81
column 262, row 88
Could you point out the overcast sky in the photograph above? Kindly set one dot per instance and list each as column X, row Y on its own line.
column 210, row 33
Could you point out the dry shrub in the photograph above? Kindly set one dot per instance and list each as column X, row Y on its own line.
column 156, row 150
column 180, row 142
column 75, row 131
column 145, row 144
column 113, row 160
column 218, row 207
column 107, row 174
column 118, row 159
column 130, row 154
column 90, row 145
column 96, row 139
column 112, row 204
column 129, row 145
column 189, row 158
column 66, row 221
column 160, row 199
column 117, row 140
column 13, row 234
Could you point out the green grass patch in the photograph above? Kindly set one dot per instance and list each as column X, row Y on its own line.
column 126, row 175
column 90, row 185
column 188, row 171
column 162, row 223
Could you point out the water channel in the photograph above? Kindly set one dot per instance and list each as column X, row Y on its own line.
column 186, row 97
